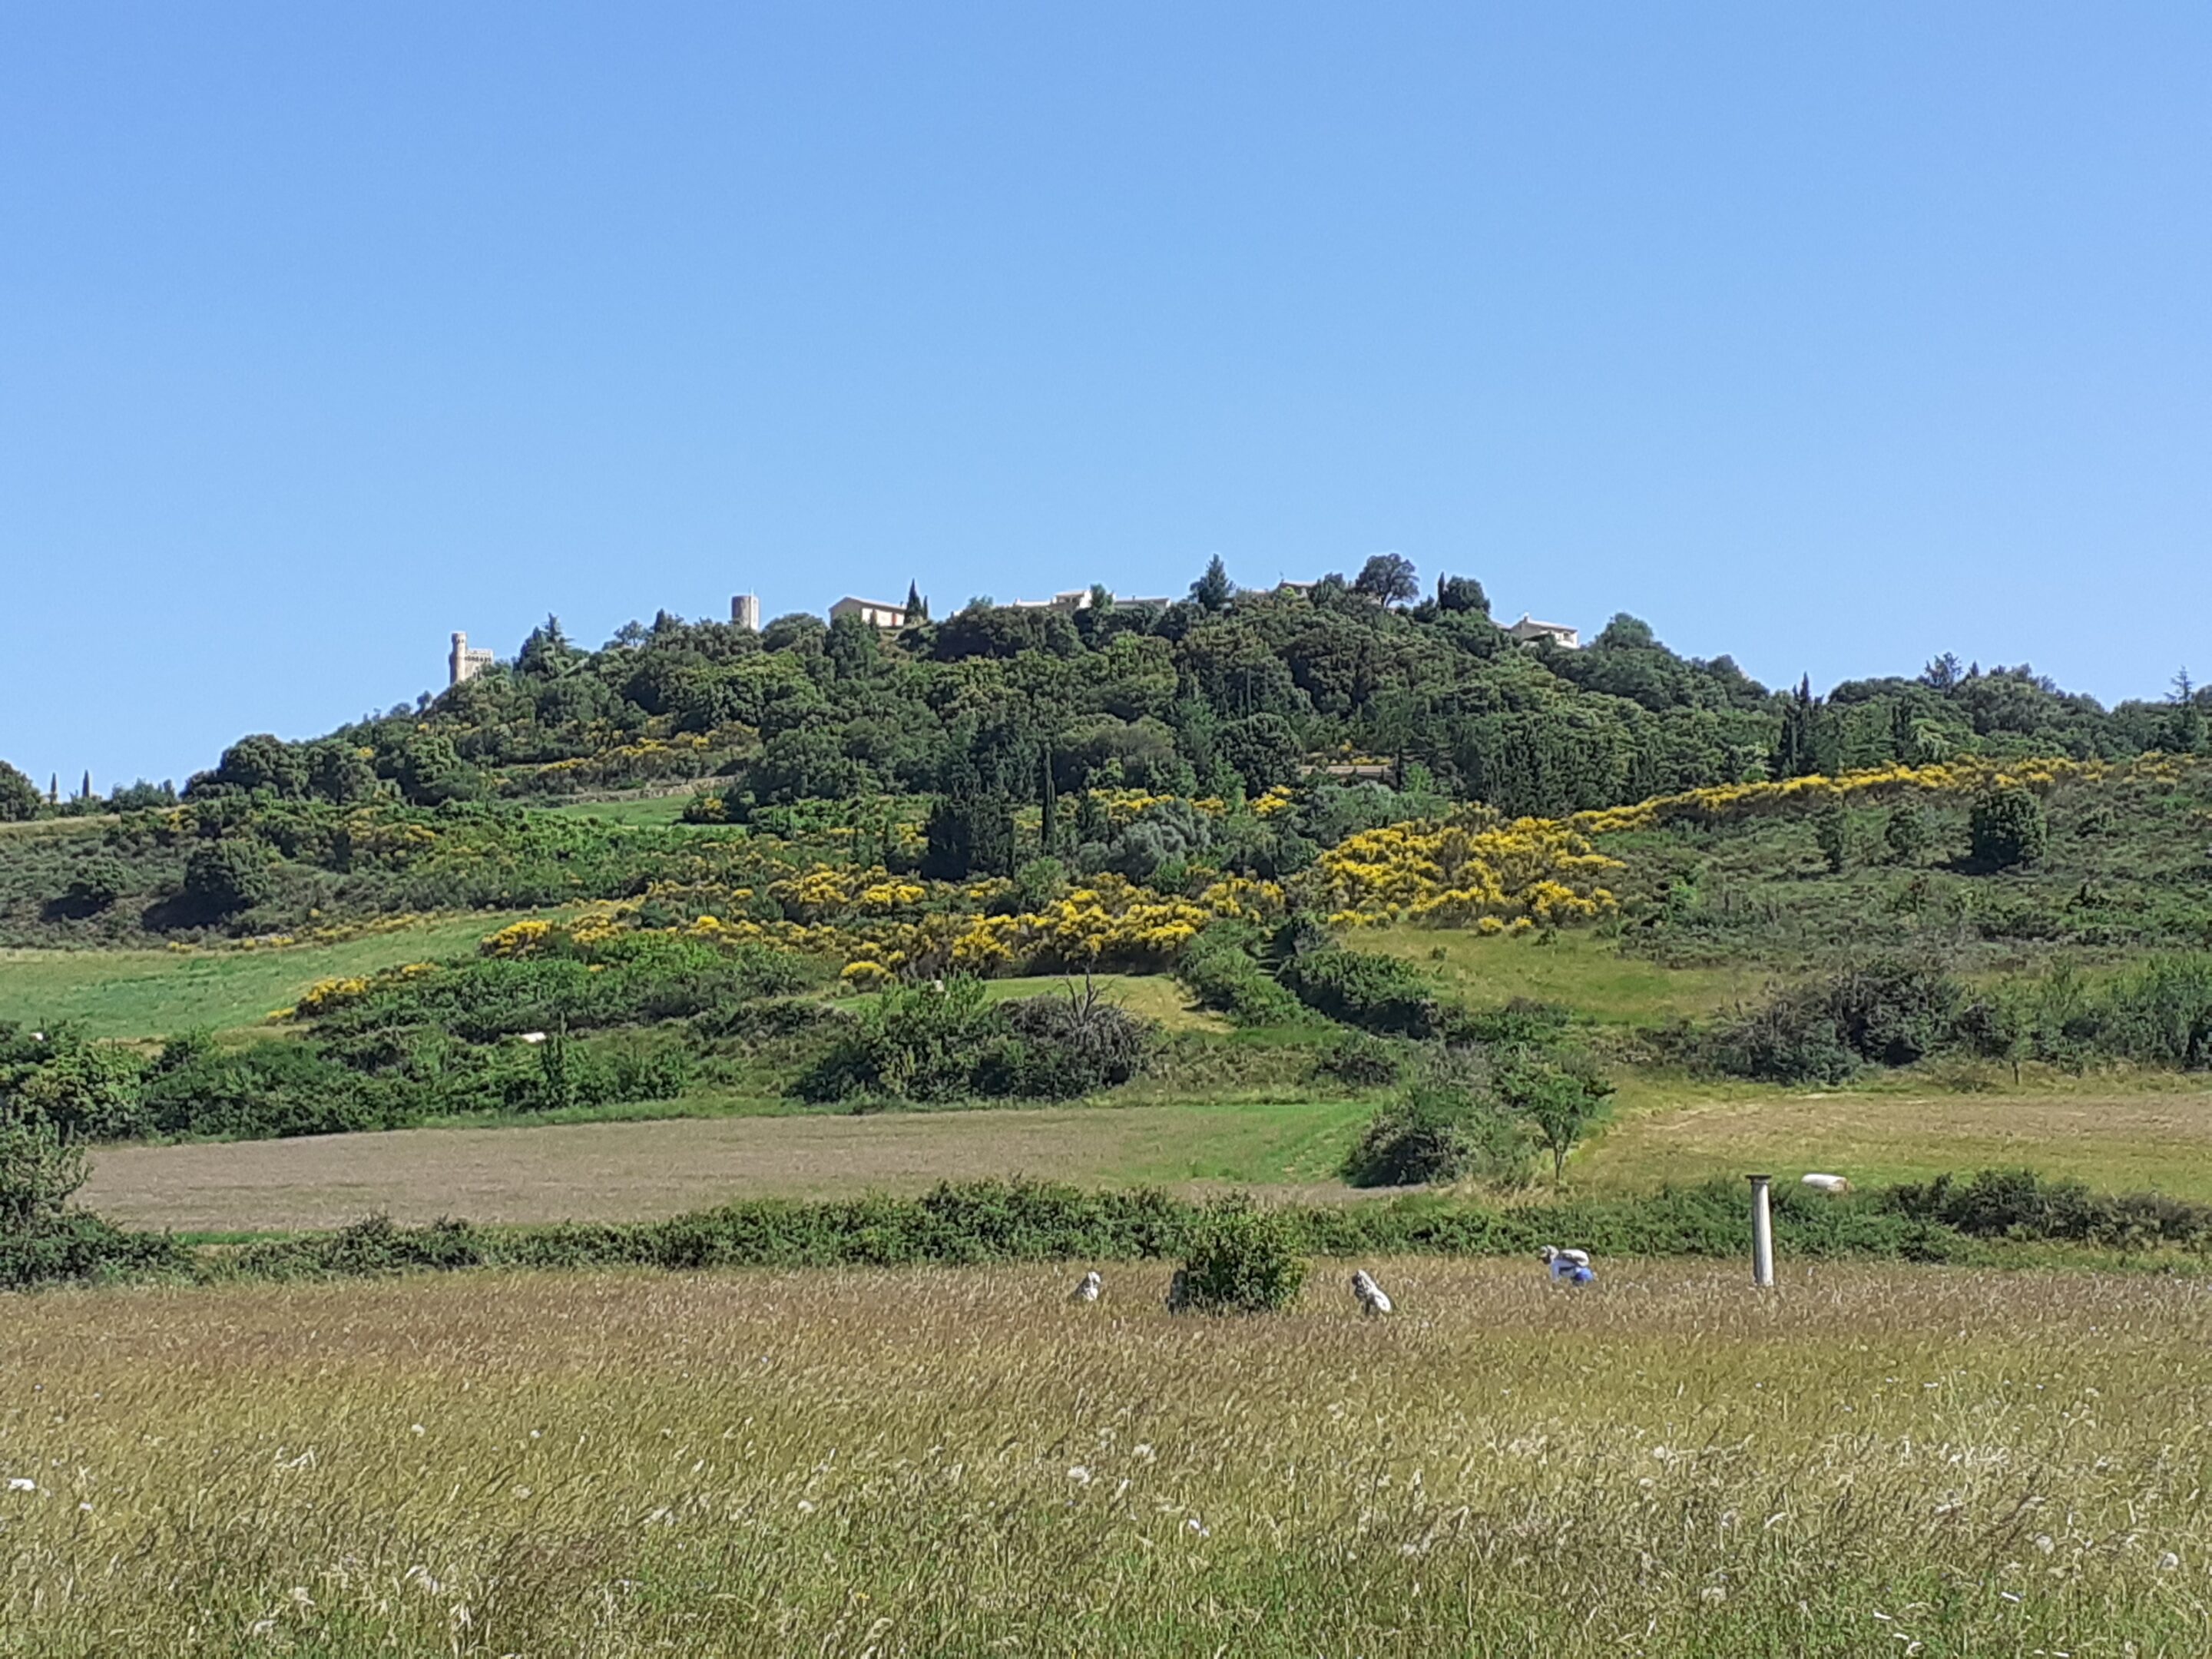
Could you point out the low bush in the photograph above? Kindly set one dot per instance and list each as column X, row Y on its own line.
column 1886, row 1012
column 1063, row 1047
column 1242, row 1259
column 1944, row 1220
column 1377, row 994
column 1221, row 972
column 925, row 1044
column 2018, row 1204
column 1361, row 1060
column 1448, row 1125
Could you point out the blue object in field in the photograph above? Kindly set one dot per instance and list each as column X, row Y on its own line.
column 1582, row 1276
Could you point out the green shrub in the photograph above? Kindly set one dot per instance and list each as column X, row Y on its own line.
column 2018, row 1204
column 1885, row 1012
column 1221, row 973
column 1377, row 993
column 1905, row 834
column 1063, row 1047
column 926, row 1044
column 2007, row 828
column 228, row 875
column 1361, row 1060
column 83, row 1090
column 1242, row 1259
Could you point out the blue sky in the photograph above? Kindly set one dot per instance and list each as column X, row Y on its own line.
column 1831, row 341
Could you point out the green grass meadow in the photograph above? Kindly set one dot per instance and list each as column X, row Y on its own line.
column 150, row 993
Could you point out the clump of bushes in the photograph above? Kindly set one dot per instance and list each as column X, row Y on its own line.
column 1234, row 1256
column 1449, row 1124
column 1222, row 973
column 2018, row 1204
column 925, row 1044
column 42, row 1241
column 1377, row 994
column 1242, row 1259
column 1886, row 1012
column 1361, row 1060
column 2007, row 827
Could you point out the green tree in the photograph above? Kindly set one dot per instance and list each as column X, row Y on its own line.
column 2187, row 727
column 1388, row 579
column 1832, row 834
column 19, row 796
column 2007, row 828
column 1905, row 834
column 1213, row 590
column 547, row 654
column 1461, row 593
column 228, row 875
column 1561, row 1104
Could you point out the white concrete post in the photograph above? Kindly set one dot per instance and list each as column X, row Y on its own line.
column 1762, row 1234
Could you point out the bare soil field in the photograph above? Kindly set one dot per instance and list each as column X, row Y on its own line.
column 633, row 1171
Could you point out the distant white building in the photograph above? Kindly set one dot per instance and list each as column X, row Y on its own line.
column 870, row 611
column 1528, row 631
column 745, row 611
column 467, row 661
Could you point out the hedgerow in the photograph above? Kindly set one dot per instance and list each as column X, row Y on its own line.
column 1973, row 1221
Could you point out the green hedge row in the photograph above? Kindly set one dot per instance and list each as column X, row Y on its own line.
column 1947, row 1220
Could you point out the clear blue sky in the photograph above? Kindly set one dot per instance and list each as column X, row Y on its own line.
column 1830, row 341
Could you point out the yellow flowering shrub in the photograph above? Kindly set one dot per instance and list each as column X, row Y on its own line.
column 1454, row 870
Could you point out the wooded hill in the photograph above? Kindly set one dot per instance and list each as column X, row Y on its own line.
column 1226, row 691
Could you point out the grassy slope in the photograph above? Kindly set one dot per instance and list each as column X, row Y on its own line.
column 142, row 993
column 1873, row 1461
column 649, row 810
column 1579, row 971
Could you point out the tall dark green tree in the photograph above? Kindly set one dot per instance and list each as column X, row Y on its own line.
column 1047, row 805
column 1213, row 590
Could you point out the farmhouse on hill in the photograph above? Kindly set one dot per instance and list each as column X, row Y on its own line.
column 875, row 611
column 1528, row 631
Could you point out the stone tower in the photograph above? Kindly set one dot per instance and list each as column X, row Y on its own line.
column 745, row 611
column 466, row 664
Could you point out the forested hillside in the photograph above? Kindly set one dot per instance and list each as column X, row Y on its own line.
column 1225, row 691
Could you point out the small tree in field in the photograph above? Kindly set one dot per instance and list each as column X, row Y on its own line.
column 1832, row 834
column 1561, row 1104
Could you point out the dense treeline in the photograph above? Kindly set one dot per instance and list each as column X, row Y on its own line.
column 1227, row 691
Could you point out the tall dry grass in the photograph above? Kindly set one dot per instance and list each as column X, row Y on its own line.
column 1874, row 1461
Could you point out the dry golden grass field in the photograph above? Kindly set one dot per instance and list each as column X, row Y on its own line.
column 1868, row 1463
